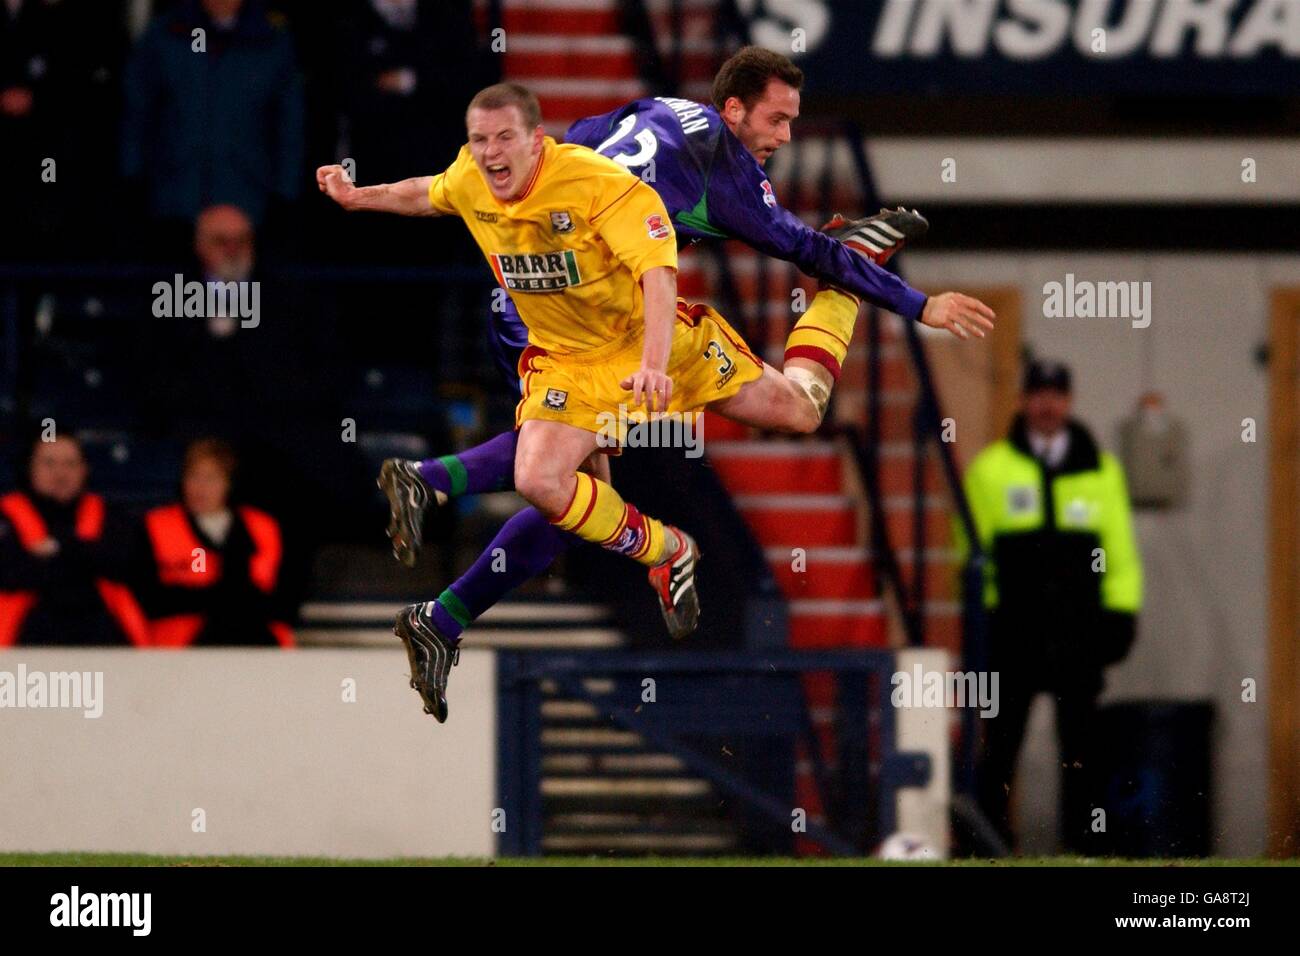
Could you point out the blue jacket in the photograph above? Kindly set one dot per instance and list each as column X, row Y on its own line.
column 222, row 126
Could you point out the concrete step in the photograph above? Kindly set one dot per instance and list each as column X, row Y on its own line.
column 527, row 59
column 784, row 467
column 827, row 573
column 895, row 371
column 590, row 18
column 837, row 623
column 897, row 464
column 607, row 788
column 508, row 625
column 847, row 572
column 897, row 410
column 801, row 520
column 937, row 521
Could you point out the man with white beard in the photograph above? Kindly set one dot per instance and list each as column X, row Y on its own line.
column 223, row 246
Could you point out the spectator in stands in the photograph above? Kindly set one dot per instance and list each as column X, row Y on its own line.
column 57, row 88
column 214, row 116
column 226, row 372
column 273, row 389
column 211, row 569
column 209, row 373
column 223, row 245
column 410, row 65
column 61, row 558
column 28, row 35
column 1063, row 589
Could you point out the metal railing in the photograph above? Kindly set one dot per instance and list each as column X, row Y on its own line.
column 907, row 585
column 754, row 701
column 927, row 429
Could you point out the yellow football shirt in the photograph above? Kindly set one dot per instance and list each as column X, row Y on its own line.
column 572, row 250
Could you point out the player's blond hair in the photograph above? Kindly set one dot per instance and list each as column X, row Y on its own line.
column 500, row 95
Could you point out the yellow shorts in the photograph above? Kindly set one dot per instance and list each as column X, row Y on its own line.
column 709, row 361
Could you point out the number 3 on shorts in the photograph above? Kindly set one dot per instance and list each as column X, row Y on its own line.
column 726, row 368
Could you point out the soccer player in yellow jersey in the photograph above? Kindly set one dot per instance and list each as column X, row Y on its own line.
column 589, row 255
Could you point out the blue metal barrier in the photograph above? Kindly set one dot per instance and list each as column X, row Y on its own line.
column 704, row 694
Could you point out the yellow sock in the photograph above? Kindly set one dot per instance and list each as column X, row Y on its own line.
column 822, row 334
column 599, row 514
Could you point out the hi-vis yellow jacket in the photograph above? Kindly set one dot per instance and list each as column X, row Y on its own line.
column 1060, row 541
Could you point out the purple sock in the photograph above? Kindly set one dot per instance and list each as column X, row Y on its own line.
column 523, row 548
column 486, row 467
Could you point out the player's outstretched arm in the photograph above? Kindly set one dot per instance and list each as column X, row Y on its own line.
column 651, row 382
column 962, row 315
column 410, row 197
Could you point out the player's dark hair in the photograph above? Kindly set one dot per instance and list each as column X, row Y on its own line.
column 501, row 95
column 746, row 75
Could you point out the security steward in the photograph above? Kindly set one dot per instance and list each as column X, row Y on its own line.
column 1063, row 587
column 61, row 558
column 211, row 572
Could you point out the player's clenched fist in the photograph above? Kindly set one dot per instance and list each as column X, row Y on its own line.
column 959, row 314
column 333, row 181
column 653, row 387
